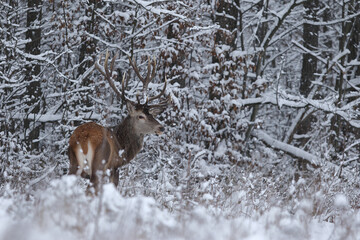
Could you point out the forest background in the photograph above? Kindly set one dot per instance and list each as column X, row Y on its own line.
column 264, row 113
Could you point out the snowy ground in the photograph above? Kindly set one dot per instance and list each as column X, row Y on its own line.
column 64, row 211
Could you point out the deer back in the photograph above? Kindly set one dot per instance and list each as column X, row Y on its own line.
column 93, row 148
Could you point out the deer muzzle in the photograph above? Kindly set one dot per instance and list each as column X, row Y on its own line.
column 160, row 130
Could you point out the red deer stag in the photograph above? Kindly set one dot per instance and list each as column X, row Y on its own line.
column 94, row 148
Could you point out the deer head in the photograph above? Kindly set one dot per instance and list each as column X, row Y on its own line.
column 142, row 109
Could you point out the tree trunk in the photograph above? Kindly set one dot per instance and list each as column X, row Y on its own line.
column 226, row 16
column 354, row 38
column 309, row 61
column 348, row 40
column 33, row 34
column 311, row 39
column 261, row 33
column 88, row 44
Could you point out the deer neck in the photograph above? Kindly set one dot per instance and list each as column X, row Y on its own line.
column 129, row 141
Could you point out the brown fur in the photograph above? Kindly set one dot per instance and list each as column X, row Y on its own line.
column 127, row 136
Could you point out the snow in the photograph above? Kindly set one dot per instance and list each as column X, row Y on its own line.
column 224, row 169
column 221, row 149
column 148, row 6
column 64, row 211
column 125, row 15
column 341, row 201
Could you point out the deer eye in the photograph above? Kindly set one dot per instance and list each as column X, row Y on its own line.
column 141, row 117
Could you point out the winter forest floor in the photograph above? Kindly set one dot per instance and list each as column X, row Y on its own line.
column 260, row 101
column 207, row 201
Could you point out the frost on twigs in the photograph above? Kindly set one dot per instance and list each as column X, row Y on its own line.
column 247, row 154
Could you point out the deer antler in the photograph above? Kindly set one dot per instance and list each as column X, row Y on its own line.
column 160, row 94
column 150, row 75
column 104, row 70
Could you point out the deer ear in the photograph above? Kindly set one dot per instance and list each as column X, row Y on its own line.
column 130, row 107
column 156, row 110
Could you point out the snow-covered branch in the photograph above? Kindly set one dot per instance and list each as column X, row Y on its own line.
column 312, row 159
column 337, row 21
column 280, row 17
column 347, row 112
column 43, row 118
column 289, row 149
column 148, row 5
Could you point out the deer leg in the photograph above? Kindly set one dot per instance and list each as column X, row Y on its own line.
column 94, row 179
column 73, row 162
column 102, row 154
column 114, row 178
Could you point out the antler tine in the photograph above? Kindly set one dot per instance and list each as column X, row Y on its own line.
column 112, row 64
column 149, row 77
column 105, row 72
column 123, row 87
column 98, row 67
column 150, row 73
column 160, row 94
column 154, row 69
column 151, row 69
column 134, row 66
column 161, row 105
column 123, row 97
column 106, row 64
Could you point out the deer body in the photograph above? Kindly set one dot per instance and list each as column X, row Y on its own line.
column 94, row 148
